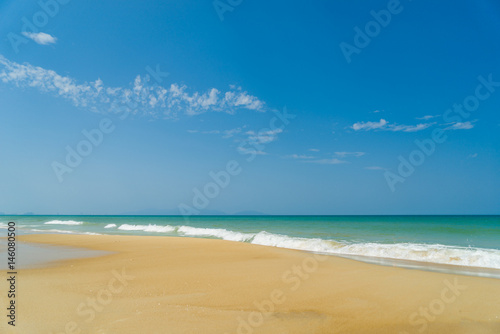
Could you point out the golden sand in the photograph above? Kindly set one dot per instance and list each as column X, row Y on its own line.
column 186, row 285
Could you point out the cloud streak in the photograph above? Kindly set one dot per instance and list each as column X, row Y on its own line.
column 369, row 125
column 225, row 133
column 383, row 125
column 427, row 117
column 328, row 161
column 345, row 154
column 410, row 128
column 40, row 38
column 300, row 156
column 461, row 126
column 147, row 98
column 375, row 168
column 263, row 137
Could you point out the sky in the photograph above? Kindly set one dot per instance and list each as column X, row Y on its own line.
column 300, row 108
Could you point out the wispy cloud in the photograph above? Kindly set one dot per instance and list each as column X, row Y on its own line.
column 313, row 150
column 263, row 137
column 328, row 161
column 225, row 133
column 410, row 128
column 375, row 168
column 300, row 156
column 252, row 151
column 345, row 154
column 385, row 126
column 427, row 117
column 472, row 156
column 460, row 126
column 369, row 125
column 150, row 99
column 41, row 38
column 230, row 133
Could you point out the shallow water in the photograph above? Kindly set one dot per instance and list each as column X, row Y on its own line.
column 31, row 255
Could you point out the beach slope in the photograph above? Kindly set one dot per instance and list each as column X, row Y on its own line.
column 186, row 285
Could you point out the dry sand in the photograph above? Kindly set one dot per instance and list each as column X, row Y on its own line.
column 185, row 285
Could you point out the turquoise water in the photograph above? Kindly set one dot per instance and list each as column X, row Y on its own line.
column 472, row 241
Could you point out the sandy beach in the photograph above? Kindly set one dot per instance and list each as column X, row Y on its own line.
column 187, row 285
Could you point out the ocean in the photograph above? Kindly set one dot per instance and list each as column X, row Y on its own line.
column 461, row 244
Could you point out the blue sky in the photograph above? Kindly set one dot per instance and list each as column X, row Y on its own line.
column 182, row 93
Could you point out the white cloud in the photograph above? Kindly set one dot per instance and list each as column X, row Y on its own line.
column 427, row 117
column 263, row 137
column 142, row 95
column 460, row 126
column 410, row 128
column 385, row 126
column 41, row 38
column 314, row 150
column 253, row 151
column 472, row 156
column 345, row 154
column 230, row 133
column 300, row 156
column 257, row 141
column 328, row 161
column 369, row 125
column 375, row 168
column 225, row 133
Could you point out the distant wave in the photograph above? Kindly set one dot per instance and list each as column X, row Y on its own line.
column 63, row 222
column 147, row 228
column 215, row 232
column 442, row 254
column 64, row 231
column 110, row 226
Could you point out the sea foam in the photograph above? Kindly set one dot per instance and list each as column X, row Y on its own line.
column 147, row 228
column 431, row 253
column 63, row 222
column 64, row 232
column 215, row 232
column 474, row 257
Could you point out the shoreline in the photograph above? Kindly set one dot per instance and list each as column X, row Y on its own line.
column 460, row 241
column 190, row 285
column 455, row 269
column 426, row 266
column 42, row 255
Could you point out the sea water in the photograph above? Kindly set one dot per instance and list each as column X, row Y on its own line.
column 465, row 241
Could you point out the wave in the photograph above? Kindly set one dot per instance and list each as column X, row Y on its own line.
column 147, row 228
column 64, row 231
column 442, row 254
column 63, row 222
column 461, row 256
column 215, row 232
column 431, row 253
